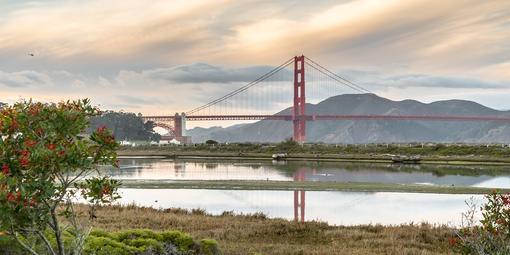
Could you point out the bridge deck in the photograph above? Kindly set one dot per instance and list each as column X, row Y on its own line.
column 332, row 117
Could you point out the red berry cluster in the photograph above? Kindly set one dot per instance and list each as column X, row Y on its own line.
column 5, row 169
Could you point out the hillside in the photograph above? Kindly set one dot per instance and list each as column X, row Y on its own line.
column 372, row 131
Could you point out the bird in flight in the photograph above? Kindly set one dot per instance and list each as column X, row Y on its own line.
column 31, row 54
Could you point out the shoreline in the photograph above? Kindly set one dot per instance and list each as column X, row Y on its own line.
column 305, row 186
column 458, row 160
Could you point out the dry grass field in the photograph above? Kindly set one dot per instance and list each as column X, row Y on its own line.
column 256, row 234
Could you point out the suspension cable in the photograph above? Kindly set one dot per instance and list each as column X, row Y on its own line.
column 243, row 88
column 336, row 79
column 339, row 78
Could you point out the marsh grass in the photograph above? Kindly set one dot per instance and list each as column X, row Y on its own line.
column 305, row 185
column 430, row 152
column 257, row 234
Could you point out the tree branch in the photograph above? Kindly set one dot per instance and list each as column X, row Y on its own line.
column 46, row 242
column 24, row 245
column 58, row 234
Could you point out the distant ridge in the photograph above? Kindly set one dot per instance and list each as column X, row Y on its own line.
column 373, row 131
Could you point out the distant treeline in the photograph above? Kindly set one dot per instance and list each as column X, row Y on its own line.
column 289, row 146
column 125, row 126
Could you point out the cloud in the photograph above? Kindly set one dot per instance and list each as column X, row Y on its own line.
column 24, row 79
column 499, row 70
column 200, row 73
column 131, row 101
column 428, row 81
column 378, row 81
column 418, row 35
column 69, row 28
column 421, row 36
column 104, row 82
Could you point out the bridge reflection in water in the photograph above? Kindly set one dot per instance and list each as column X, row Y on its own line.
column 299, row 197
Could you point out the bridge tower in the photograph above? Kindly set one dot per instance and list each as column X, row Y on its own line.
column 180, row 128
column 183, row 124
column 299, row 111
column 177, row 126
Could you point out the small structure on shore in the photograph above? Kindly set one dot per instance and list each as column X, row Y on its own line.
column 170, row 141
column 127, row 143
column 403, row 159
column 279, row 156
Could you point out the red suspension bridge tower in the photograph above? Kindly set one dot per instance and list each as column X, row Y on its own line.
column 299, row 109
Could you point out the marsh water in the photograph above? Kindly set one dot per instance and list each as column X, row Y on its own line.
column 342, row 208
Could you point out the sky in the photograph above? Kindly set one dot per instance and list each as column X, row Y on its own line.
column 162, row 57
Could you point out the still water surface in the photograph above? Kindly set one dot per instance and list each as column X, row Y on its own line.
column 339, row 208
column 342, row 208
column 165, row 169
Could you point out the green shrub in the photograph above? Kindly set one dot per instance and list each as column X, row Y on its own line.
column 134, row 234
column 145, row 244
column 100, row 233
column 126, row 242
column 183, row 241
column 209, row 247
column 143, row 240
column 106, row 246
column 129, row 242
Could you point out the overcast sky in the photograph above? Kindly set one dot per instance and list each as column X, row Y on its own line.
column 167, row 56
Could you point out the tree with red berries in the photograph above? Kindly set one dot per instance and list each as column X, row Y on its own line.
column 46, row 165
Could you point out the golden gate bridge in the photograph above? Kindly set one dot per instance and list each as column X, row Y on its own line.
column 252, row 101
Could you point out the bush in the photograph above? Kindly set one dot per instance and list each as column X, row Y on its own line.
column 134, row 234
column 209, row 247
column 128, row 242
column 492, row 235
column 146, row 244
column 211, row 142
column 138, row 241
column 182, row 241
column 106, row 246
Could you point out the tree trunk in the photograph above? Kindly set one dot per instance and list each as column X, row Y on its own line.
column 58, row 233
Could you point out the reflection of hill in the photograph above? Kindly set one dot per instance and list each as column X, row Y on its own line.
column 393, row 173
column 437, row 170
column 312, row 171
